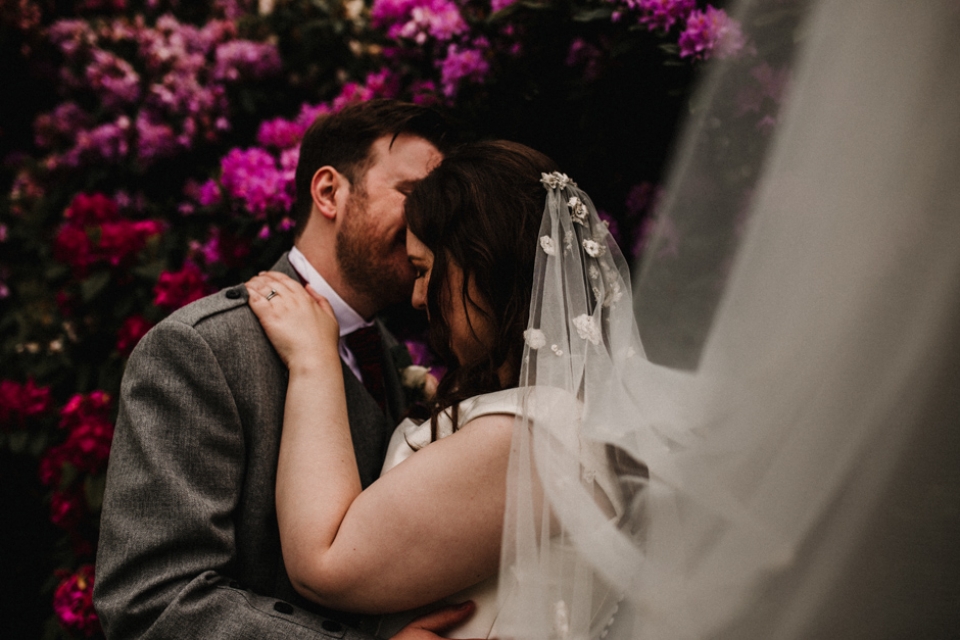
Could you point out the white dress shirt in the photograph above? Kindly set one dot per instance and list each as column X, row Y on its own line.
column 348, row 319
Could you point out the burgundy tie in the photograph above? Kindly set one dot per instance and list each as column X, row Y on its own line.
column 367, row 348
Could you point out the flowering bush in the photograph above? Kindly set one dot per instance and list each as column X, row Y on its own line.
column 156, row 156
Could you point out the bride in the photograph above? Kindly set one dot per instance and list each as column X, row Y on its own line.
column 432, row 525
column 796, row 479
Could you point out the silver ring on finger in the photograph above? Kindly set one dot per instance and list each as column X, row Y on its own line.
column 273, row 292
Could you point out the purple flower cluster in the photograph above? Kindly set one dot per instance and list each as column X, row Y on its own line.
column 261, row 179
column 177, row 99
column 707, row 33
column 73, row 602
column 418, row 20
column 21, row 403
column 94, row 233
column 710, row 33
column 255, row 177
column 86, row 419
column 464, row 63
column 175, row 289
column 662, row 14
column 437, row 29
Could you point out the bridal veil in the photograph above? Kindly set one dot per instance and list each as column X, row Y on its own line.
column 781, row 456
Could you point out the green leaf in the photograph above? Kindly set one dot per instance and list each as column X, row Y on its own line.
column 55, row 271
column 93, row 487
column 19, row 441
column 150, row 271
column 589, row 15
column 70, row 473
column 92, row 286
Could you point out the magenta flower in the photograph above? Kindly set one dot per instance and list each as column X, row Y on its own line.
column 582, row 53
column 113, row 78
column 175, row 289
column 209, row 194
column 20, row 403
column 81, row 408
column 279, row 134
column 463, row 64
column 244, row 59
column 662, row 14
column 92, row 208
column 418, row 20
column 154, row 140
column 710, row 33
column 86, row 449
column 130, row 333
column 73, row 603
column 67, row 509
column 253, row 177
column 424, row 92
column 94, row 232
column 497, row 5
column 60, row 125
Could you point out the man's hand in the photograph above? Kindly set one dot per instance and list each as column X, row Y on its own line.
column 434, row 625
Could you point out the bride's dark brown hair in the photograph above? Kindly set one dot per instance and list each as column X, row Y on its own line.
column 481, row 210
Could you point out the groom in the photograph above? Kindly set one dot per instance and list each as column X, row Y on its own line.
column 189, row 546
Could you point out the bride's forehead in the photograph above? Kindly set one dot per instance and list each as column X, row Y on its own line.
column 416, row 248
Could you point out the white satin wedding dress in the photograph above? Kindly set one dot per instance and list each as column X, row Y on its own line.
column 410, row 436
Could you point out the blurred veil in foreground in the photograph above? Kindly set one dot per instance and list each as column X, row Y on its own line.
column 781, row 456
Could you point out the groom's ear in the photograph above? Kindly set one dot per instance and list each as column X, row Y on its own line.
column 327, row 188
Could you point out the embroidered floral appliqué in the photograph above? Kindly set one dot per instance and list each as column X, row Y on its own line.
column 556, row 180
column 587, row 328
column 548, row 245
column 593, row 248
column 534, row 338
column 578, row 210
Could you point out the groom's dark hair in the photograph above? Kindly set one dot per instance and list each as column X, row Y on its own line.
column 480, row 210
column 343, row 140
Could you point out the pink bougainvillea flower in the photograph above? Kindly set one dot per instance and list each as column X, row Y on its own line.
column 73, row 603
column 21, row 402
column 91, row 208
column 67, row 508
column 87, row 447
column 175, row 289
column 97, row 216
column 81, row 408
column 710, row 33
column 463, row 63
column 279, row 134
column 132, row 329
column 253, row 177
column 662, row 14
column 245, row 59
column 418, row 20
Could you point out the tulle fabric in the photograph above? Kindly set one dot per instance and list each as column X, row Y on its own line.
column 782, row 459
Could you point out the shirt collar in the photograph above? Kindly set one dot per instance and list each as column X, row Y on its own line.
column 348, row 319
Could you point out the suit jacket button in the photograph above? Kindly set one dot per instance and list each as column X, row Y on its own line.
column 332, row 626
column 283, row 607
column 234, row 293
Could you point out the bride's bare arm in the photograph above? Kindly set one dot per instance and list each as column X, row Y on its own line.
column 426, row 529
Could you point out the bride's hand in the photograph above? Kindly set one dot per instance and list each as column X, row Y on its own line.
column 299, row 322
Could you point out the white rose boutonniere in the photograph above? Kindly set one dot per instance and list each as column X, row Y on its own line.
column 419, row 380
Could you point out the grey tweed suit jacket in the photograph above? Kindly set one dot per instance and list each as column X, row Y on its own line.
column 189, row 545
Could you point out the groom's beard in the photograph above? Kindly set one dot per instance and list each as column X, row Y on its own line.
column 373, row 266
